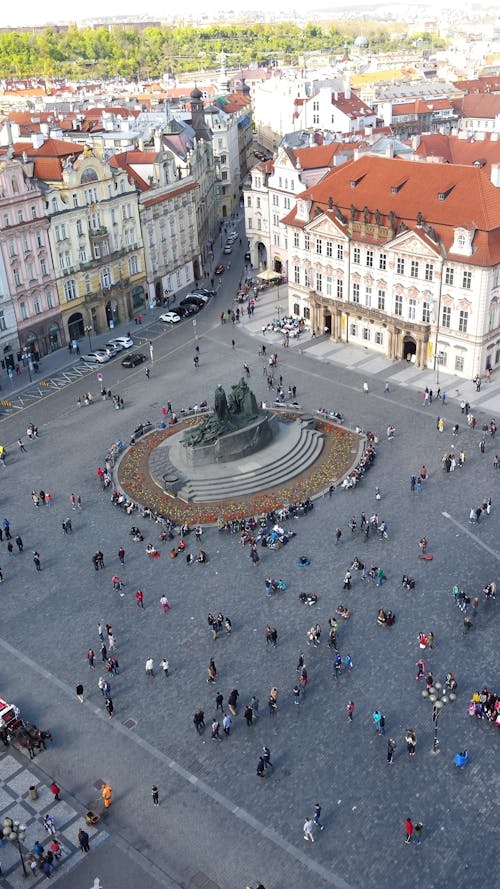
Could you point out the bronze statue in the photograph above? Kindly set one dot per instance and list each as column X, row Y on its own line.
column 229, row 415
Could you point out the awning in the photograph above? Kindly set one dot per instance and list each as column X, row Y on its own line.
column 269, row 275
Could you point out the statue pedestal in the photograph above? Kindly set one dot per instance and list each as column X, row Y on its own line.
column 252, row 437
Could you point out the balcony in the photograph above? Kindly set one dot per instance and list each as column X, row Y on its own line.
column 98, row 232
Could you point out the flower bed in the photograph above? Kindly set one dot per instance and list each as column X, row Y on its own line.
column 339, row 453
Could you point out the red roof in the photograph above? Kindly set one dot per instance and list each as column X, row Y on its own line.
column 485, row 84
column 447, row 197
column 485, row 105
column 352, row 107
column 421, row 106
column 482, row 152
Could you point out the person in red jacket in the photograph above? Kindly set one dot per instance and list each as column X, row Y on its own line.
column 409, row 830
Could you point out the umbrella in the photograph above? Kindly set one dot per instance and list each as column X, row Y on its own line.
column 269, row 275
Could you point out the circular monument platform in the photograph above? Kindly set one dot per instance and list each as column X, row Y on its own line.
column 238, row 461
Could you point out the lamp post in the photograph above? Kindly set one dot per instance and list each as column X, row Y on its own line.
column 16, row 833
column 439, row 697
column 88, row 331
column 28, row 359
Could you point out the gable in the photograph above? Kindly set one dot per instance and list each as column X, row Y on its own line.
column 325, row 227
column 411, row 242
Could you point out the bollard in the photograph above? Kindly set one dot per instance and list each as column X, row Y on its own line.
column 33, row 792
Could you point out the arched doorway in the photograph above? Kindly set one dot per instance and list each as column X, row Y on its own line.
column 261, row 256
column 327, row 324
column 159, row 293
column 278, row 265
column 224, row 211
column 409, row 348
column 76, row 327
column 31, row 345
column 112, row 314
column 54, row 337
column 8, row 357
column 138, row 297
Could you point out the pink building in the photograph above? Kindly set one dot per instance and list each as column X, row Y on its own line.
column 27, row 259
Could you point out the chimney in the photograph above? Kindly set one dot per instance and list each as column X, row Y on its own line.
column 389, row 149
column 9, row 132
column 44, row 128
column 415, row 142
column 157, row 141
column 347, row 87
column 37, row 140
column 495, row 175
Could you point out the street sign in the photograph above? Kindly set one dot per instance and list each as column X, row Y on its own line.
column 99, row 377
column 194, row 322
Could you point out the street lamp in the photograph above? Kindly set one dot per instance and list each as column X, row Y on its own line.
column 16, row 833
column 88, row 331
column 439, row 697
column 28, row 359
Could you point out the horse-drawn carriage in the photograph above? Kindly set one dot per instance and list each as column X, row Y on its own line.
column 14, row 731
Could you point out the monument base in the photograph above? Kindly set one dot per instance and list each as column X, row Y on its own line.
column 240, row 443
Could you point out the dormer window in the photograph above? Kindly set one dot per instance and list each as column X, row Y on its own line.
column 463, row 241
column 303, row 208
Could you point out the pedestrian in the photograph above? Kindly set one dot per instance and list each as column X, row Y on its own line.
column 296, row 694
column 248, row 714
column 365, row 387
column 408, row 822
column 272, row 701
column 150, row 668
column 155, row 795
column 350, row 710
column 309, row 828
column 164, row 603
column 121, row 555
column 266, row 756
column 21, row 446
column 199, row 721
column 420, row 665
column 338, row 535
column 55, row 790
column 148, row 373
column 104, row 652
column 83, row 839
column 108, row 703
column 261, row 769
column 215, row 730
column 139, row 598
column 417, row 830
column 391, row 746
column 36, row 560
column 411, row 742
column 212, row 671
column 19, row 543
column 219, row 701
column 317, row 816
column 55, row 848
column 348, row 663
column 73, row 501
column 378, row 721
column 227, row 723
column 164, row 666
column 10, row 548
column 79, row 692
column 430, row 640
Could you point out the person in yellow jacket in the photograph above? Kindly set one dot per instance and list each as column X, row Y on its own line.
column 106, row 793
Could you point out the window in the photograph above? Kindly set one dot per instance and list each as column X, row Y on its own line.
column 368, row 297
column 459, row 363
column 306, row 312
column 316, row 119
column 249, row 200
column 20, row 216
column 37, row 305
column 296, row 274
column 33, row 212
column 306, row 242
column 50, row 300
column 249, row 220
column 400, row 266
column 353, row 329
column 64, row 260
column 356, row 255
column 449, row 275
column 17, row 277
column 259, row 225
column 97, row 251
column 75, row 200
column 295, row 239
column 412, row 309
column 60, row 231
column 105, row 279
column 88, row 284
column 276, row 200
column 12, row 248
column 329, row 248
column 366, row 334
column 133, row 265
column 355, row 293
column 24, row 311
column 340, row 251
column 39, row 239
column 31, row 272
column 6, row 220
column 429, row 271
column 426, row 313
column 340, row 289
column 467, row 280
column 414, row 269
column 319, row 245
column 276, row 219
column 381, row 300
column 369, row 258
column 329, row 284
column 379, row 338
column 70, row 290
column 26, row 244
column 463, row 319
column 398, row 304
column 446, row 317
column 382, row 261
column 307, row 278
column 83, row 254
column 43, row 266
column 3, row 323
column 319, row 282
column 79, row 226
column 257, row 203
column 296, row 309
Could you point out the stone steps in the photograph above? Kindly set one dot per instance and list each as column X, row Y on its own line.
column 283, row 467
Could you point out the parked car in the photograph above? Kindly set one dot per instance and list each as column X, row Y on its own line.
column 97, row 357
column 126, row 342
column 201, row 296
column 112, row 349
column 219, row 269
column 228, row 249
column 232, row 237
column 204, row 291
column 192, row 302
column 188, row 309
column 194, row 299
column 133, row 360
column 170, row 318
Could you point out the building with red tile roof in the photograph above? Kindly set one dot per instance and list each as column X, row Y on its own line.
column 402, row 258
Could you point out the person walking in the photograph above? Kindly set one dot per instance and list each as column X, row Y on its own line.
column 309, row 828
column 36, row 560
column 378, row 721
column 219, row 701
column 21, row 446
column 139, row 598
column 19, row 543
column 226, row 724
column 91, row 659
column 266, row 756
column 150, row 668
column 409, row 827
column 55, row 790
column 215, row 730
column 199, row 721
column 212, row 671
column 108, row 703
column 164, row 603
column 83, row 840
column 121, row 555
column 148, row 373
column 350, row 710
column 155, row 795
column 391, row 746
column 164, row 666
column 79, row 692
column 411, row 742
column 417, row 830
